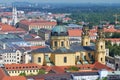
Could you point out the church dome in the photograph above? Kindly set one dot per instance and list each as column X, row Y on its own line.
column 59, row 31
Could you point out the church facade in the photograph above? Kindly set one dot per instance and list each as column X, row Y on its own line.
column 62, row 53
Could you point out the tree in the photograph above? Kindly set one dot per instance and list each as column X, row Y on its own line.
column 73, row 68
column 41, row 71
column 22, row 74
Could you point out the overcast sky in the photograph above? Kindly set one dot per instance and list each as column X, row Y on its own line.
column 66, row 1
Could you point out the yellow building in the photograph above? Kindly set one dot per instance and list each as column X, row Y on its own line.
column 61, row 53
column 18, row 69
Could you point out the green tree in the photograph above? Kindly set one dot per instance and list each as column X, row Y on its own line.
column 22, row 74
column 41, row 71
column 73, row 68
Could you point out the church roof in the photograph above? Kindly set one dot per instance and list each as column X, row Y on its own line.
column 63, row 50
column 59, row 31
column 73, row 48
column 77, row 47
column 42, row 50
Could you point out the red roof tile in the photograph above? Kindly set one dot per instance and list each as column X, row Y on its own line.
column 36, row 47
column 113, row 39
column 8, row 28
column 37, row 22
column 2, row 74
column 74, row 32
column 22, row 66
column 14, row 78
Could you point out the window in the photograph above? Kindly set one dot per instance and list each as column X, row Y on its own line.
column 85, row 57
column 101, row 47
column 17, row 54
column 101, row 59
column 62, row 43
column 39, row 59
column 55, row 43
column 77, row 58
column 65, row 59
column 86, row 43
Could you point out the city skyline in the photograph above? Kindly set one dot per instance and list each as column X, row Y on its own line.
column 63, row 1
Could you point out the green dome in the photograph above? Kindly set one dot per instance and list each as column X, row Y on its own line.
column 59, row 31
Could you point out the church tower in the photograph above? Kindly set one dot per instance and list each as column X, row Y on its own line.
column 85, row 36
column 100, row 46
column 59, row 38
column 14, row 16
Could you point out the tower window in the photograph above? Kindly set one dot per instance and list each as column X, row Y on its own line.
column 101, row 47
column 86, row 43
column 85, row 57
column 62, row 43
column 55, row 43
column 65, row 59
column 77, row 58
column 101, row 59
column 39, row 59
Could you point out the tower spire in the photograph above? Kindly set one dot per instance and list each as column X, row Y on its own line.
column 85, row 36
column 14, row 16
column 100, row 46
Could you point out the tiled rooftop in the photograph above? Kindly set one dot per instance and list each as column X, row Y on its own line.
column 37, row 22
column 22, row 66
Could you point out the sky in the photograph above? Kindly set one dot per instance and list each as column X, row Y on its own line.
column 65, row 1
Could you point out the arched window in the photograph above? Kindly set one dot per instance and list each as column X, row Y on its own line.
column 62, row 43
column 65, row 59
column 86, row 43
column 55, row 43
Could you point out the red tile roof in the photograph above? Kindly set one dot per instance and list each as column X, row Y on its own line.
column 74, row 32
column 113, row 39
column 14, row 78
column 4, row 76
column 22, row 66
column 37, row 22
column 36, row 47
column 99, row 66
column 8, row 28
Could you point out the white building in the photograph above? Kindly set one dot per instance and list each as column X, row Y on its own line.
column 10, row 56
column 89, row 75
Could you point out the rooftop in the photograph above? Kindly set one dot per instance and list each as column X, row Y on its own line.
column 37, row 22
column 22, row 66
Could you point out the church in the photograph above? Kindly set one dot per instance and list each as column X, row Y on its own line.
column 61, row 53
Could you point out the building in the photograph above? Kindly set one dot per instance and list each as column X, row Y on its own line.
column 44, row 34
column 114, row 41
column 5, row 28
column 14, row 16
column 93, row 75
column 36, row 24
column 61, row 53
column 17, row 69
column 75, row 35
column 5, row 76
column 10, row 56
column 115, row 75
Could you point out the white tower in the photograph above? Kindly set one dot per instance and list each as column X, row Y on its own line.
column 14, row 16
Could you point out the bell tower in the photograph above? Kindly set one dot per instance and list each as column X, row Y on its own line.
column 14, row 16
column 100, row 46
column 85, row 36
